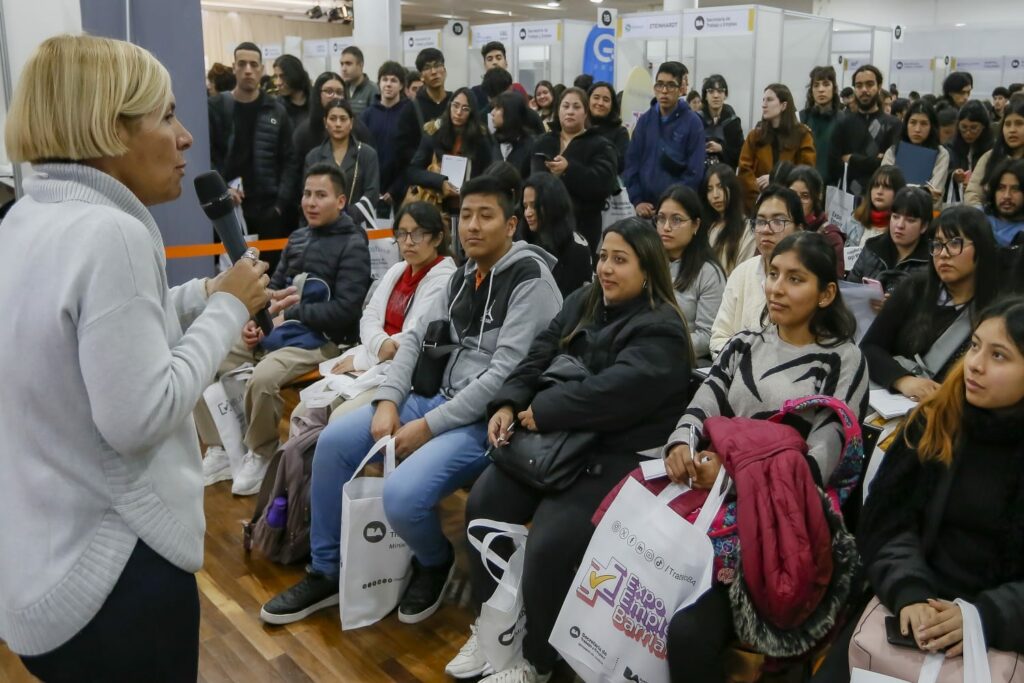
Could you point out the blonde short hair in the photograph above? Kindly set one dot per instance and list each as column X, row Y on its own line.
column 74, row 91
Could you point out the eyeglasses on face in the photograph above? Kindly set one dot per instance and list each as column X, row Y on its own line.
column 334, row 92
column 675, row 222
column 414, row 237
column 953, row 247
column 431, row 66
column 460, row 108
column 666, row 86
column 774, row 225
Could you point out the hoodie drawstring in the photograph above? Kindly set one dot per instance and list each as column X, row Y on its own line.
column 483, row 318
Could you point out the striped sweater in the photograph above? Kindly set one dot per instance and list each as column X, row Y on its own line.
column 757, row 372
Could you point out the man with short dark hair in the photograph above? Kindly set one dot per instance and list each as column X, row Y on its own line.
column 382, row 119
column 332, row 252
column 1000, row 98
column 424, row 111
column 1004, row 205
column 413, row 83
column 494, row 57
column 862, row 136
column 494, row 306
column 668, row 142
column 359, row 90
column 251, row 140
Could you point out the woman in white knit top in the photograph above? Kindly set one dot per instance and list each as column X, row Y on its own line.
column 102, row 492
column 777, row 214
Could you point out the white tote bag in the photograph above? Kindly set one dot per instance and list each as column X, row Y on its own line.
column 972, row 667
column 616, row 208
column 502, row 622
column 643, row 564
column 226, row 401
column 839, row 205
column 375, row 561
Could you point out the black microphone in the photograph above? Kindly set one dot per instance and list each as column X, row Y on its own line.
column 217, row 204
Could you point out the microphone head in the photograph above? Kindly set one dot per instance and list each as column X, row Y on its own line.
column 213, row 195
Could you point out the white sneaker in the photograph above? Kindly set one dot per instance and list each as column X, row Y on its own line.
column 216, row 465
column 249, row 477
column 520, row 673
column 470, row 662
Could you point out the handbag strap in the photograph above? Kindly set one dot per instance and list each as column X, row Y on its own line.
column 947, row 344
column 388, row 444
column 355, row 173
column 846, row 170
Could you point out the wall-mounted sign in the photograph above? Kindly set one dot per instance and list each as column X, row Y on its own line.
column 1014, row 63
column 650, row 25
column 724, row 22
column 599, row 54
column 458, row 28
column 904, row 65
column 977, row 63
column 421, row 40
column 271, row 51
column 314, row 49
column 538, row 33
column 481, row 35
column 336, row 45
column 606, row 17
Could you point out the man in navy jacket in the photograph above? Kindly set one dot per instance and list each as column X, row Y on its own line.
column 667, row 146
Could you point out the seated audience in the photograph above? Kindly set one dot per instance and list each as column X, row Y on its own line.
column 1005, row 205
column 606, row 119
column 722, row 198
column 920, row 127
column 778, row 136
column 356, row 160
column 942, row 518
column 973, row 138
column 777, row 214
column 330, row 248
column 549, row 223
column 1009, row 144
column 440, row 439
column 697, row 278
column 809, row 187
column 963, row 278
column 583, row 159
column 723, row 130
column 903, row 248
column 805, row 349
column 875, row 208
column 626, row 328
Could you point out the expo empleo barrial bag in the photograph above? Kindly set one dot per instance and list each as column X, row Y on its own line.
column 644, row 563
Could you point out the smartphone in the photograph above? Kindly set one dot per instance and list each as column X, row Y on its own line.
column 544, row 155
column 895, row 637
column 875, row 285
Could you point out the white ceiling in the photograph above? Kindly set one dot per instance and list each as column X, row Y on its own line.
column 432, row 13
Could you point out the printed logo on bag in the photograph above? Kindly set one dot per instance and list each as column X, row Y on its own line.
column 602, row 581
column 629, row 675
column 574, row 632
column 375, row 532
column 376, row 582
column 508, row 637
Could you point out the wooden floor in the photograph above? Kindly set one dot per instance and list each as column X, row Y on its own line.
column 236, row 647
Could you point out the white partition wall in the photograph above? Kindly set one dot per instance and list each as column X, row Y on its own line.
column 455, row 46
column 805, row 44
column 538, row 53
column 645, row 40
column 414, row 41
column 574, row 39
column 914, row 73
column 480, row 35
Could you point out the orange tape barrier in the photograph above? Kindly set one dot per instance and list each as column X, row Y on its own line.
column 196, row 250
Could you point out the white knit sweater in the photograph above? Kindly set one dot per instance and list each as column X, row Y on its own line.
column 97, row 443
column 742, row 303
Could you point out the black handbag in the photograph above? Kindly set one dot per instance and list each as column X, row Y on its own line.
column 550, row 461
column 434, row 351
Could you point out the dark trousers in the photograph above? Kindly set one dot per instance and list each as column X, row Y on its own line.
column 698, row 637
column 147, row 630
column 559, row 536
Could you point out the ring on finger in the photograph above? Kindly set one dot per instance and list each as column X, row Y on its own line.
column 250, row 254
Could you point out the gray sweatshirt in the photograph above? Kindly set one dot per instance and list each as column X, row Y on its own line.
column 492, row 325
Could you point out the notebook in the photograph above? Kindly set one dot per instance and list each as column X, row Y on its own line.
column 916, row 162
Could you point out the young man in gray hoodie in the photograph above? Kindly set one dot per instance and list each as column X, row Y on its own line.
column 495, row 304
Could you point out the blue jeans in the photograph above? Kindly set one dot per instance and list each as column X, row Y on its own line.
column 411, row 494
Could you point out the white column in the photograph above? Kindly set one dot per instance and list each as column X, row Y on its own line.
column 455, row 46
column 377, row 32
column 679, row 5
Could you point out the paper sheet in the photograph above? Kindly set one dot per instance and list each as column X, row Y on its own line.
column 888, row 404
column 455, row 169
column 858, row 298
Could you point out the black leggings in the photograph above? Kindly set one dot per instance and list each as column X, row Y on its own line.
column 559, row 536
column 698, row 637
column 147, row 630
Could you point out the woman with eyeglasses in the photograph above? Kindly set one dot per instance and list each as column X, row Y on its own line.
column 312, row 132
column 356, row 160
column 723, row 130
column 777, row 215
column 403, row 296
column 583, row 159
column 778, row 136
column 697, row 278
column 459, row 134
column 935, row 308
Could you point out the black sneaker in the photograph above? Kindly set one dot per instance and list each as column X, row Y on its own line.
column 426, row 591
column 313, row 593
